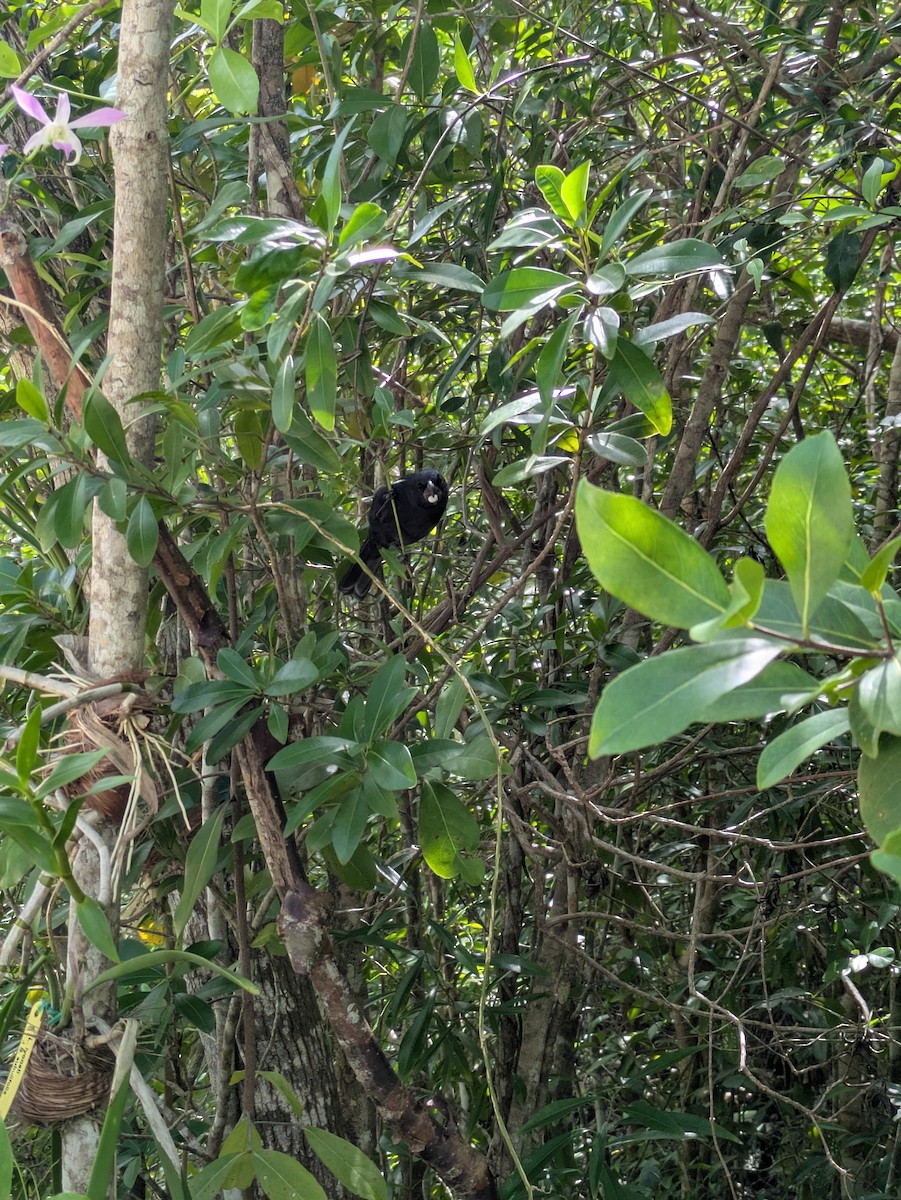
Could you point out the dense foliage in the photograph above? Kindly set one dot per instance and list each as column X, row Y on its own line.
column 647, row 246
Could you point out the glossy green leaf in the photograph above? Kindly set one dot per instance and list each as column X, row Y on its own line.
column 574, row 192
column 463, row 67
column 525, row 286
column 637, row 377
column 447, row 830
column 31, row 400
column 347, row 1163
column 214, row 16
column 234, row 81
column 876, row 704
column 786, row 752
column 103, row 426
column 385, row 697
column 200, row 865
column 602, row 329
column 619, row 221
column 677, row 258
column 96, row 927
column 662, row 696
column 809, row 520
column 646, row 560
column 294, row 676
column 321, row 372
column 879, row 786
column 154, row 959
column 391, row 766
column 10, row 68
column 873, row 576
column 778, row 688
column 284, row 392
column 233, row 667
column 142, row 533
column 549, row 180
column 843, row 259
column 618, row 448
column 349, row 824
column 28, row 747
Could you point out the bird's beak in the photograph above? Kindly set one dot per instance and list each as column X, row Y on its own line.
column 431, row 493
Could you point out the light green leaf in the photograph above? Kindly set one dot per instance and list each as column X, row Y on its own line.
column 283, row 1178
column 391, row 766
column 574, row 192
column 214, row 16
column 200, row 864
column 103, row 426
column 348, row 1164
column 790, row 749
column 321, row 372
column 879, row 785
column 809, row 519
column 159, row 958
column 876, row 704
column 618, row 448
column 234, row 81
column 28, row 747
column 549, row 180
column 646, row 560
column 873, row 576
column 677, row 258
column 385, row 698
column 463, row 67
column 525, row 286
column 7, row 1158
column 447, row 830
column 619, row 221
column 602, row 330
column 31, row 400
column 778, row 688
column 637, row 377
column 10, row 68
column 294, row 676
column 661, row 696
column 349, row 824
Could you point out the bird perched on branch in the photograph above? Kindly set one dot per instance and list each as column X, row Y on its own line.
column 398, row 516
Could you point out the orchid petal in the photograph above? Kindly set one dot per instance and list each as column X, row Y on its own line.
column 63, row 109
column 30, row 104
column 70, row 146
column 36, row 140
column 101, row 116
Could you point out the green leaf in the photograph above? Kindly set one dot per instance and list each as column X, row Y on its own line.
column 283, row 395
column 425, row 60
column 331, row 179
column 646, row 560
column 842, row 259
column 310, row 750
column 677, row 258
column 574, row 193
column 549, row 181
column 809, row 520
column 234, row 81
column 447, row 830
column 142, row 533
column 387, row 133
column 349, row 824
column 548, row 368
column 525, row 286
column 10, row 68
column 159, row 958
column 385, row 697
column 778, row 688
column 233, row 667
column 619, row 223
column 618, row 448
column 200, row 864
column 104, row 1165
column 283, row 1178
column 348, row 1164
column 462, row 66
column 214, row 16
column 391, row 766
column 873, row 576
column 321, row 372
column 294, row 676
column 27, row 750
column 103, row 426
column 30, row 399
column 366, row 220
column 876, row 704
column 636, row 376
column 879, row 784
column 96, row 928
column 790, row 749
column 661, row 696
column 602, row 330
column 7, row 1158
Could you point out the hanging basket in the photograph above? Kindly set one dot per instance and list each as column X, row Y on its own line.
column 62, row 1080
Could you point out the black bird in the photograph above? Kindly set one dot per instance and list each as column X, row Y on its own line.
column 398, row 516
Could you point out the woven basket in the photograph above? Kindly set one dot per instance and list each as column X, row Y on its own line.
column 62, row 1080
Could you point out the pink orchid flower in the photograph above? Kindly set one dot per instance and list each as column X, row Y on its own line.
column 57, row 130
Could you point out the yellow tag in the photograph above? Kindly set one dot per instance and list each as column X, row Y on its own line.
column 22, row 1055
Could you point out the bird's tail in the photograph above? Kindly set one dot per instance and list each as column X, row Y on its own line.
column 353, row 578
